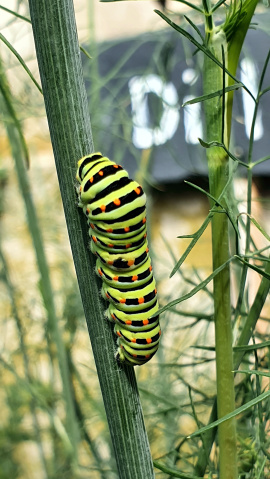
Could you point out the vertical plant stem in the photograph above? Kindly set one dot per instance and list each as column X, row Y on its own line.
column 58, row 55
column 218, row 164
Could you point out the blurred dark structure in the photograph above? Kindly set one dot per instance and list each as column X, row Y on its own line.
column 143, row 83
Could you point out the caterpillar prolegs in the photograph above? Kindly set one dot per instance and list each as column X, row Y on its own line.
column 115, row 207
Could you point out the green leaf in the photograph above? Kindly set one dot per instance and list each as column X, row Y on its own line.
column 253, row 371
column 258, row 226
column 15, row 14
column 226, row 211
column 237, row 411
column 262, row 160
column 252, row 266
column 194, row 27
column 205, row 193
column 218, row 4
column 174, row 472
column 205, row 50
column 191, row 5
column 252, row 347
column 22, row 62
column 212, row 144
column 195, row 237
column 85, row 52
column 218, row 93
column 196, row 289
column 5, row 91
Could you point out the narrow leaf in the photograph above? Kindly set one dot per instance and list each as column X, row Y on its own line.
column 252, row 266
column 22, row 62
column 258, row 226
column 85, row 52
column 205, row 193
column 252, row 347
column 194, row 27
column 254, row 371
column 212, row 144
column 196, row 289
column 4, row 89
column 230, row 216
column 237, row 411
column 174, row 472
column 200, row 47
column 218, row 4
column 219, row 93
column 265, row 158
column 191, row 245
column 191, row 5
column 15, row 14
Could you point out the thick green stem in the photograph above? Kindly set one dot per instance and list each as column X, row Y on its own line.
column 58, row 56
column 218, row 164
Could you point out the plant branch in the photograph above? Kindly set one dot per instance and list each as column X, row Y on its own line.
column 66, row 104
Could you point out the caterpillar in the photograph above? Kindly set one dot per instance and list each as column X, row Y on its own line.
column 115, row 207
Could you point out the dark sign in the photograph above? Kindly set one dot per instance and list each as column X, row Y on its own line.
column 136, row 104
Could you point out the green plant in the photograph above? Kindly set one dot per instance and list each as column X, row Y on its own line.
column 177, row 392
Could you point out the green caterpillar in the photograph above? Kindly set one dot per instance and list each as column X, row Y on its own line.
column 115, row 207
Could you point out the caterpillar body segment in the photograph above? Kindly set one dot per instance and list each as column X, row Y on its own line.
column 128, row 260
column 115, row 207
column 128, row 279
column 134, row 321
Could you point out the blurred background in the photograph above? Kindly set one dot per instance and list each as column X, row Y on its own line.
column 138, row 77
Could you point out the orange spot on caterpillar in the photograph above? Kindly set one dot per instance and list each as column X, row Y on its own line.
column 128, row 245
column 92, row 226
column 126, row 229
column 103, row 207
column 150, row 268
column 80, row 189
column 145, row 321
column 115, row 278
column 128, row 321
column 144, row 220
column 118, row 334
column 113, row 317
column 133, row 340
column 159, row 332
column 109, row 230
column 155, row 290
column 134, row 278
column 117, row 202
column 100, row 173
column 91, row 179
column 94, row 239
column 131, row 262
column 137, row 190
column 122, row 300
column 149, row 340
column 110, row 245
column 100, row 272
column 147, row 250
column 147, row 356
column 107, row 295
column 134, row 355
column 116, row 166
column 145, row 235
column 110, row 262
column 140, row 300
